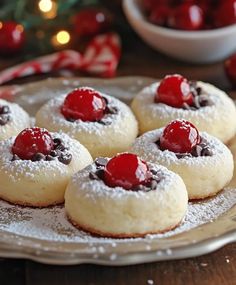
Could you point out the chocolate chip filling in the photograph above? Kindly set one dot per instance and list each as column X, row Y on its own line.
column 110, row 110
column 201, row 149
column 59, row 152
column 4, row 115
column 154, row 179
column 200, row 98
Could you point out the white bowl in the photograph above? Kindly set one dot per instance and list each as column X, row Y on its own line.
column 197, row 46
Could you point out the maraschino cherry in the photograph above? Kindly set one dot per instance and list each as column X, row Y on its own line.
column 226, row 13
column 91, row 21
column 12, row 37
column 187, row 16
column 85, row 104
column 126, row 170
column 179, row 136
column 174, row 90
column 32, row 141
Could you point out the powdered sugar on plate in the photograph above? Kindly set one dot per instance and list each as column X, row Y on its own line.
column 51, row 223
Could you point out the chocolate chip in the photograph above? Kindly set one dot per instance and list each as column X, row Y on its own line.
column 204, row 101
column 206, row 152
column 4, row 118
column 197, row 150
column 154, row 184
column 65, row 158
column 70, row 120
column 100, row 173
column 50, row 158
column 139, row 188
column 153, row 171
column 93, row 176
column 105, row 99
column 199, row 90
column 38, row 156
column 104, row 122
column 101, row 161
column 57, row 141
column 183, row 155
column 5, row 110
column 15, row 157
column 111, row 110
column 61, row 147
column 54, row 153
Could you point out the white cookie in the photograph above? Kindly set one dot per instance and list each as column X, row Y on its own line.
column 203, row 176
column 101, row 140
column 217, row 120
column 19, row 120
column 39, row 183
column 115, row 212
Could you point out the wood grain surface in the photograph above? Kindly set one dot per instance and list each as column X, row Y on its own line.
column 218, row 268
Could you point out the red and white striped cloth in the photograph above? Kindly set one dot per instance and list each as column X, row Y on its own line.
column 100, row 58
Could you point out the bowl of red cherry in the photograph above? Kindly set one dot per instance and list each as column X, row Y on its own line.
column 200, row 31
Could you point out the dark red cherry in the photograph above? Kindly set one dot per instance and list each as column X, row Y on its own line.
column 179, row 136
column 186, row 16
column 85, row 104
column 230, row 69
column 31, row 141
column 159, row 15
column 174, row 90
column 226, row 13
column 12, row 37
column 126, row 170
column 91, row 21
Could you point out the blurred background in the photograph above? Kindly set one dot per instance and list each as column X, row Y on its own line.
column 31, row 28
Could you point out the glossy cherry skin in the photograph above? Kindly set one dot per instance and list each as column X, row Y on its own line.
column 179, row 136
column 31, row 141
column 91, row 21
column 159, row 15
column 126, row 170
column 186, row 16
column 230, row 69
column 226, row 13
column 174, row 90
column 12, row 37
column 85, row 104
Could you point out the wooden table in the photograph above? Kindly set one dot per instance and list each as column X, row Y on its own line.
column 218, row 268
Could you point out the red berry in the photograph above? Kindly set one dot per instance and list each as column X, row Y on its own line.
column 12, row 37
column 85, row 104
column 226, row 13
column 91, row 21
column 187, row 16
column 159, row 15
column 230, row 69
column 174, row 90
column 126, row 170
column 179, row 136
column 31, row 141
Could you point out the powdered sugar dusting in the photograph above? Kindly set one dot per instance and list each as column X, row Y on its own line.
column 93, row 189
column 146, row 147
column 51, row 112
column 51, row 223
column 20, row 169
column 162, row 111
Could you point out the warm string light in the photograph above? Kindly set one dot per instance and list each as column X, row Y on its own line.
column 48, row 8
column 61, row 38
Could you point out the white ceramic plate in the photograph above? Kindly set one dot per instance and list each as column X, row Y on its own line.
column 46, row 236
